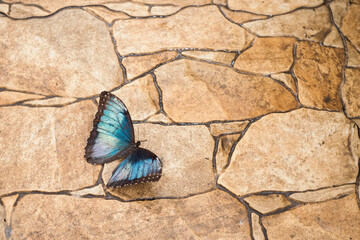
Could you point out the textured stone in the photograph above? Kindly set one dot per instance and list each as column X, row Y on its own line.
column 339, row 9
column 132, row 8
column 203, row 27
column 197, row 92
column 240, row 17
column 2, row 223
column 164, row 10
column 55, row 101
column 271, row 55
column 323, row 194
column 350, row 26
column 4, row 8
column 8, row 203
column 137, row 65
column 176, row 2
column 106, row 14
column 94, row 191
column 267, row 203
column 351, row 92
column 58, row 55
column 315, row 24
column 287, row 79
column 289, row 157
column 23, row 11
column 9, row 97
column 271, row 7
column 222, row 154
column 226, row 128
column 48, row 142
column 256, row 227
column 146, row 100
column 219, row 2
column 318, row 71
column 185, row 171
column 211, row 216
column 333, row 39
column 159, row 118
column 354, row 56
column 222, row 57
column 337, row 219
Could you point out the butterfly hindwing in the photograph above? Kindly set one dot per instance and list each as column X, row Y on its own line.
column 140, row 166
column 112, row 136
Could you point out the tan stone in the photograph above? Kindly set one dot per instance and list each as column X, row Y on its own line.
column 256, row 227
column 176, row 2
column 2, row 223
column 222, row 155
column 146, row 100
column 23, row 11
column 201, row 27
column 315, row 24
column 8, row 203
column 339, row 9
column 198, row 92
column 106, row 14
column 337, row 219
column 58, row 55
column 131, row 8
column 219, row 2
column 227, row 128
column 207, row 216
column 159, row 118
column 318, row 71
column 351, row 92
column 4, row 8
column 353, row 56
column 323, row 194
column 350, row 26
column 164, row 10
column 222, row 57
column 55, row 101
column 48, row 142
column 98, row 190
column 185, row 171
column 271, row 55
column 9, row 97
column 333, row 39
column 271, row 7
column 287, row 79
column 289, row 157
column 137, row 65
column 267, row 203
column 240, row 17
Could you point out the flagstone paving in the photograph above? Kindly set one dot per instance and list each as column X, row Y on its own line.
column 252, row 106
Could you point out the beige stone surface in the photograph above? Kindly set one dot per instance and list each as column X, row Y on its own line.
column 228, row 127
column 26, row 11
column 106, row 14
column 256, row 227
column 9, row 97
column 186, row 153
column 95, row 191
column 353, row 56
column 218, row 93
column 176, row 2
column 337, row 219
column 4, row 8
column 339, row 9
column 349, row 27
column 137, row 65
column 8, row 203
column 333, row 39
column 131, row 8
column 55, row 101
column 289, row 157
column 160, row 117
column 287, row 79
column 219, row 2
column 212, row 215
column 272, row 55
column 2, row 222
column 164, row 10
column 146, row 100
column 267, row 203
column 271, row 7
column 202, row 27
column 59, row 55
column 315, row 24
column 323, row 194
column 240, row 17
column 318, row 71
column 222, row 57
column 350, row 92
column 48, row 142
column 222, row 154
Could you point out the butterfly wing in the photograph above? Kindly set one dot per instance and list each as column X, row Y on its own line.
column 140, row 166
column 112, row 136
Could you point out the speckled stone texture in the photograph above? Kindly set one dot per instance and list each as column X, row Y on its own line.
column 253, row 108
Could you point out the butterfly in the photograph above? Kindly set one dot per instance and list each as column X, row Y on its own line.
column 112, row 138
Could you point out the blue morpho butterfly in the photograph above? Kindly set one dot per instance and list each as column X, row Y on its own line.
column 113, row 138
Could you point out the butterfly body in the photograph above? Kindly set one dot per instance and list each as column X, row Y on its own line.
column 113, row 138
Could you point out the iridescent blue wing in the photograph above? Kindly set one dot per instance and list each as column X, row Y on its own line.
column 140, row 166
column 112, row 136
